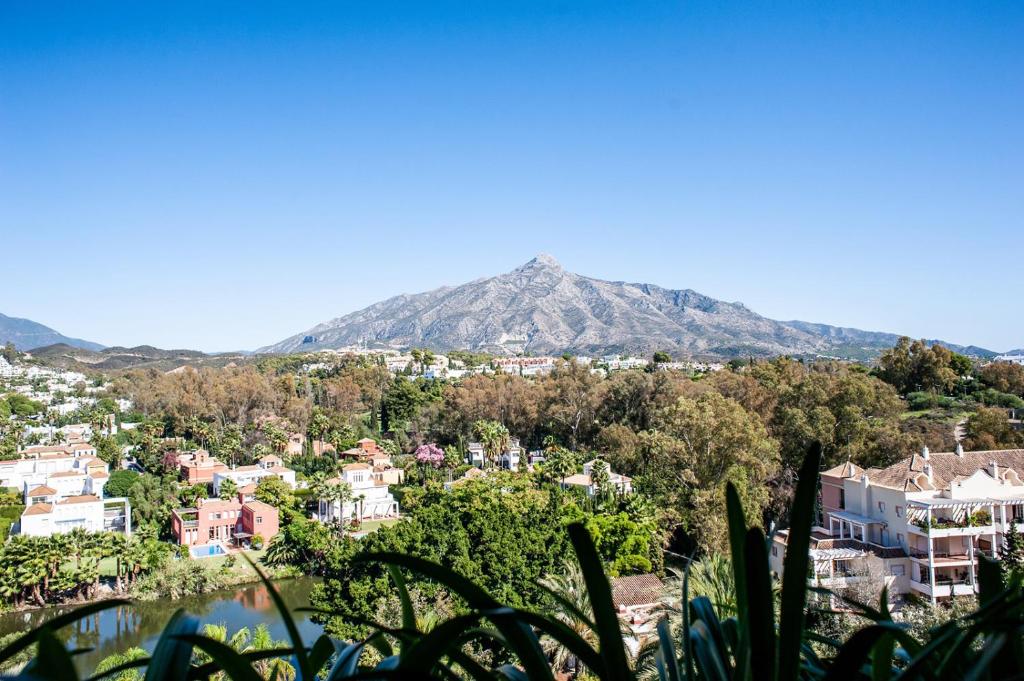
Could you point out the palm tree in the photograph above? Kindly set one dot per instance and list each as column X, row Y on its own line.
column 359, row 500
column 228, row 489
column 570, row 604
column 494, row 437
column 600, row 477
column 319, row 487
column 340, row 492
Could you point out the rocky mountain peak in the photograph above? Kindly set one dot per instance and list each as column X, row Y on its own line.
column 542, row 261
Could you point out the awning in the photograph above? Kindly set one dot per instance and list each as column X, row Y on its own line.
column 855, row 518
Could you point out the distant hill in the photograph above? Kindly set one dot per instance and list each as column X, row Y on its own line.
column 27, row 335
column 142, row 357
column 540, row 308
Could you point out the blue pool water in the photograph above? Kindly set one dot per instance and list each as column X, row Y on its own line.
column 207, row 551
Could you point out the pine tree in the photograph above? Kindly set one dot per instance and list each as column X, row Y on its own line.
column 1013, row 549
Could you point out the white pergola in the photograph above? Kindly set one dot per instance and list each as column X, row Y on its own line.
column 845, row 525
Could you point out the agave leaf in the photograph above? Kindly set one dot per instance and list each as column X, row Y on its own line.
column 560, row 632
column 881, row 659
column 512, row 673
column 761, row 618
column 691, row 672
column 737, row 547
column 475, row 670
column 302, row 667
column 347, row 662
column 521, row 639
column 171, row 657
column 408, row 613
column 228, row 660
column 854, row 654
column 609, row 632
column 795, row 567
column 703, row 612
column 52, row 660
column 567, row 604
column 424, row 653
column 123, row 667
column 708, row 655
column 203, row 671
column 27, row 639
column 667, row 651
column 321, row 652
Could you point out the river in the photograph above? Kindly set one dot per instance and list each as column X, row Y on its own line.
column 139, row 624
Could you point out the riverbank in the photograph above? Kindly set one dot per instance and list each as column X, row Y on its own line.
column 180, row 578
column 139, row 623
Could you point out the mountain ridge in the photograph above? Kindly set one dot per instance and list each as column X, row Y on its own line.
column 29, row 335
column 541, row 308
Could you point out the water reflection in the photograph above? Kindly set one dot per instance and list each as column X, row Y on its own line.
column 139, row 624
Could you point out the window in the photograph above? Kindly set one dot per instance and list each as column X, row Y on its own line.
column 881, row 507
column 259, row 520
column 899, row 539
column 775, row 550
column 897, row 570
column 842, row 498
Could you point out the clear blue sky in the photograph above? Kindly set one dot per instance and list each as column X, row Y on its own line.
column 221, row 175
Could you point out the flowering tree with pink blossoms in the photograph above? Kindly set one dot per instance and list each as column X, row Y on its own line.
column 430, row 454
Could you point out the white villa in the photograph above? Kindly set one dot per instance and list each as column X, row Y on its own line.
column 70, row 470
column 920, row 525
column 371, row 496
column 50, row 514
column 623, row 484
column 477, row 456
column 269, row 466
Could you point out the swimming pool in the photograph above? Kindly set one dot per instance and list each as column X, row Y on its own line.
column 207, row 551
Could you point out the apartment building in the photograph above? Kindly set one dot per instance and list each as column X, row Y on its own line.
column 919, row 525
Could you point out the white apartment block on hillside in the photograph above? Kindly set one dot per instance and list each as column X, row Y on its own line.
column 919, row 525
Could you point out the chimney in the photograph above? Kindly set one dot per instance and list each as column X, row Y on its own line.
column 924, row 453
column 993, row 469
column 959, row 449
column 864, row 484
column 928, row 470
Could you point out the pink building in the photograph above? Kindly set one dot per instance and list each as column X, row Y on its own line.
column 833, row 495
column 228, row 522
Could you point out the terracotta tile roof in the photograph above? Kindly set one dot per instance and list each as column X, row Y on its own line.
column 42, row 490
column 355, row 467
column 634, row 590
column 99, row 475
column 80, row 499
column 256, row 505
column 279, row 469
column 67, row 474
column 578, row 479
column 38, row 509
column 846, row 470
column 909, row 474
column 248, row 489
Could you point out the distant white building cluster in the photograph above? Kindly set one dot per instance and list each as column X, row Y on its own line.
column 1016, row 358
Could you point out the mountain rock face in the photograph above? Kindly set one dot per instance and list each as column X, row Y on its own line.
column 540, row 308
column 28, row 335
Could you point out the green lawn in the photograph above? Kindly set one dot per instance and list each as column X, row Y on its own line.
column 374, row 525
